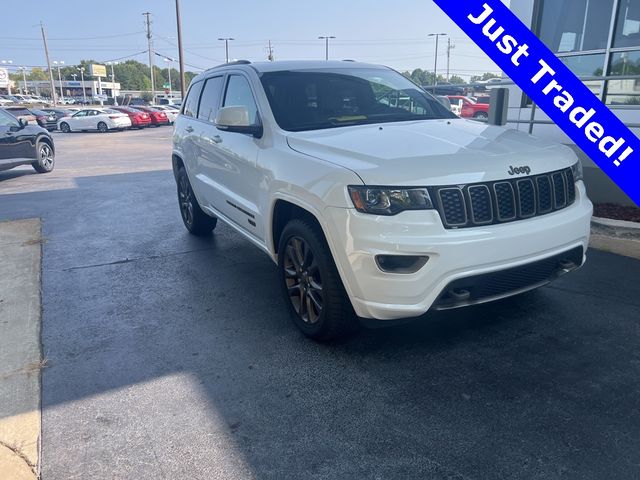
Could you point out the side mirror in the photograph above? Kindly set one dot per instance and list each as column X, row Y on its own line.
column 22, row 122
column 236, row 119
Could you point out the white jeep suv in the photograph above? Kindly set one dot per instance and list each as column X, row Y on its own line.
column 372, row 198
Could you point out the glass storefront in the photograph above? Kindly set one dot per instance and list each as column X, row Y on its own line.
column 596, row 38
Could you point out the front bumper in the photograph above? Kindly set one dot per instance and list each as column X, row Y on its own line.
column 355, row 239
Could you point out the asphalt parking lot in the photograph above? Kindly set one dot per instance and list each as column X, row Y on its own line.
column 172, row 357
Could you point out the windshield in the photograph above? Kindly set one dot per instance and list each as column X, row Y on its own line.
column 316, row 99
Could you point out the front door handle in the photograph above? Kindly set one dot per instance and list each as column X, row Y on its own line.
column 189, row 129
column 217, row 139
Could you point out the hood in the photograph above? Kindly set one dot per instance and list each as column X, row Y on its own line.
column 432, row 152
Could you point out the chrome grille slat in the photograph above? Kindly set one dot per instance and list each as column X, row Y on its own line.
column 463, row 206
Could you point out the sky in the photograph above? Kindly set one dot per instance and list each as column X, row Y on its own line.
column 393, row 34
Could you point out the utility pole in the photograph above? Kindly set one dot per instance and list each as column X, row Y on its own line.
column 449, row 48
column 435, row 65
column 270, row 57
column 46, row 52
column 150, row 43
column 180, row 57
column 226, row 46
column 326, row 45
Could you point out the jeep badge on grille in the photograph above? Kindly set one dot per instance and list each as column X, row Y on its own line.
column 518, row 170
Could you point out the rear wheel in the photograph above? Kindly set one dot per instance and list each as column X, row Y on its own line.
column 64, row 127
column 311, row 285
column 46, row 158
column 481, row 116
column 102, row 127
column 194, row 219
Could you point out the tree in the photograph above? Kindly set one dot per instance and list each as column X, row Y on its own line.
column 456, row 80
column 484, row 77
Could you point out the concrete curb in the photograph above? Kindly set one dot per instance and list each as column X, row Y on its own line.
column 20, row 348
column 616, row 236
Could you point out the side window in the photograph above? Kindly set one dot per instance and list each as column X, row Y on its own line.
column 191, row 103
column 210, row 99
column 81, row 113
column 239, row 94
column 7, row 120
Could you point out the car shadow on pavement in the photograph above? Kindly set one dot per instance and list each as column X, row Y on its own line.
column 173, row 356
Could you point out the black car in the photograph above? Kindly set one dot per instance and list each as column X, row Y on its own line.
column 24, row 144
column 58, row 112
column 444, row 88
column 45, row 119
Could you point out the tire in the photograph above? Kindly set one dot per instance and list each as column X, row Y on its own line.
column 102, row 127
column 46, row 158
column 65, row 128
column 195, row 220
column 317, row 301
column 481, row 116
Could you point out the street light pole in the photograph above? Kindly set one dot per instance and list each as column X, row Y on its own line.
column 58, row 64
column 84, row 93
column 168, row 60
column 226, row 46
column 24, row 80
column 435, row 65
column 326, row 45
column 113, row 83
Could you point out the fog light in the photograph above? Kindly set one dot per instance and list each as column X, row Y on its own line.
column 401, row 263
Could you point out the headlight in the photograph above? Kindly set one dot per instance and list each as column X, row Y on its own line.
column 389, row 200
column 576, row 170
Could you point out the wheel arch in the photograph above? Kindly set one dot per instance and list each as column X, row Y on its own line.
column 176, row 164
column 284, row 210
column 46, row 139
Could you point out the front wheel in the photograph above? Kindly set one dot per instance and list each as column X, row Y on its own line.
column 197, row 222
column 46, row 159
column 311, row 285
column 102, row 127
column 64, row 127
column 481, row 116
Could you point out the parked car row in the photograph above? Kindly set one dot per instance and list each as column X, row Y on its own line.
column 95, row 118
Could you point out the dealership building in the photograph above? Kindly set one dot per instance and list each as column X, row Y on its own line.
column 70, row 88
column 599, row 40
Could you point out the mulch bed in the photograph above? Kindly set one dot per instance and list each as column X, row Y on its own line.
column 617, row 212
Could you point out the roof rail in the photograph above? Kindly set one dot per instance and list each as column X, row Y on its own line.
column 348, row 60
column 239, row 62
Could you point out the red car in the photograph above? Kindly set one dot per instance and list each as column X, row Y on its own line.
column 157, row 117
column 138, row 119
column 470, row 108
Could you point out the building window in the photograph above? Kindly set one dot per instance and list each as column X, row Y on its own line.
column 628, row 24
column 576, row 25
column 624, row 92
column 587, row 66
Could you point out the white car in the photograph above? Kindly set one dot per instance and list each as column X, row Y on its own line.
column 371, row 207
column 100, row 119
column 171, row 113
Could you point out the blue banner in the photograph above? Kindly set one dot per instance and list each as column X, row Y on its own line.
column 552, row 86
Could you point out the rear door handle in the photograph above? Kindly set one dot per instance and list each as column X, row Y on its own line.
column 189, row 129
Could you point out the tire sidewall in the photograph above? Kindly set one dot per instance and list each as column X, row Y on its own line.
column 297, row 228
column 103, row 130
column 65, row 128
column 41, row 167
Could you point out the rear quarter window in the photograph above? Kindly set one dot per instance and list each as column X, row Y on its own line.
column 190, row 108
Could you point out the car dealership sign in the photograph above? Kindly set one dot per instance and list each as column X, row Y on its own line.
column 553, row 87
column 4, row 78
